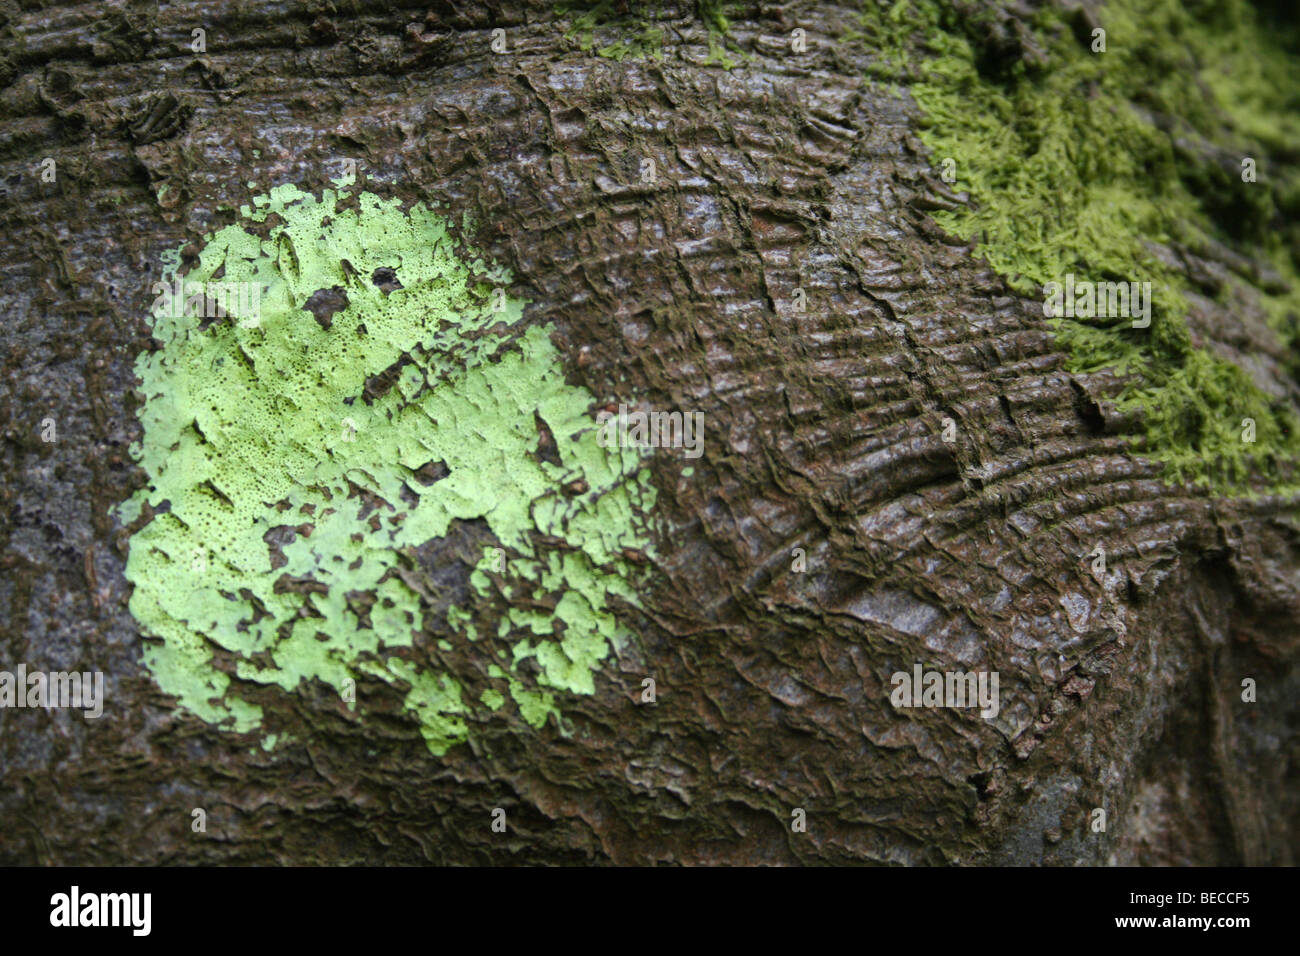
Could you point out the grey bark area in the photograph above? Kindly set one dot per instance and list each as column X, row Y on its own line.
column 823, row 432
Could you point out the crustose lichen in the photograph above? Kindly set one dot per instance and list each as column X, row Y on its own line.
column 286, row 485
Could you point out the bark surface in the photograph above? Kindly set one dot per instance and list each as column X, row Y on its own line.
column 823, row 433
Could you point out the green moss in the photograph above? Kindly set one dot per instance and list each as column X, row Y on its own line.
column 637, row 39
column 1077, row 165
column 641, row 39
column 713, row 13
column 719, row 52
column 722, row 52
column 646, row 44
column 258, row 428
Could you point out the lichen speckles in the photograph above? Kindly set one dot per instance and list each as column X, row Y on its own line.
column 295, row 461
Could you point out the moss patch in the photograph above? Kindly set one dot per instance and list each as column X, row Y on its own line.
column 1078, row 162
column 640, row 37
column 384, row 389
column 593, row 22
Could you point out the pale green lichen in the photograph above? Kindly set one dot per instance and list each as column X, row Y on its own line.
column 1070, row 172
column 258, row 429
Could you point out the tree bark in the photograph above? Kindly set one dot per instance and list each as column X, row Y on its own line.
column 823, row 433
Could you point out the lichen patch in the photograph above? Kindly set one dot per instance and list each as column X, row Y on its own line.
column 385, row 390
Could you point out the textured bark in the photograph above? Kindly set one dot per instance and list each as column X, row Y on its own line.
column 822, row 433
